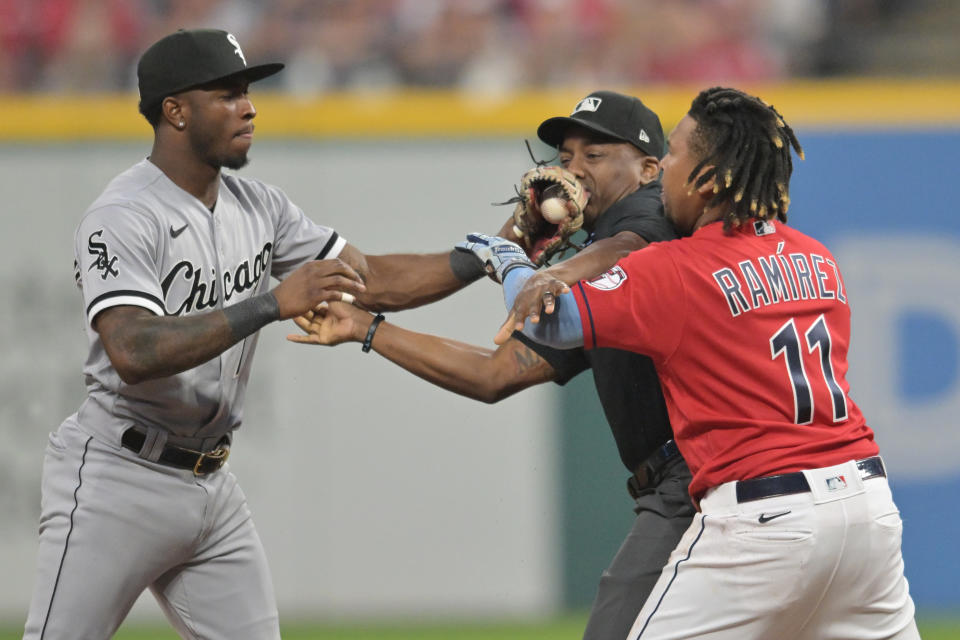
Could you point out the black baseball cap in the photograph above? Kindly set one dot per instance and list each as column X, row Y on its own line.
column 612, row 114
column 192, row 57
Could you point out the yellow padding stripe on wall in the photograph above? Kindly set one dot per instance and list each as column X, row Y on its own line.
column 409, row 113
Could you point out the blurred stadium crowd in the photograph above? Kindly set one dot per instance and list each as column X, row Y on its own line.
column 487, row 45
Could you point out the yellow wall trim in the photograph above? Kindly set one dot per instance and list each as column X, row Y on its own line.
column 409, row 113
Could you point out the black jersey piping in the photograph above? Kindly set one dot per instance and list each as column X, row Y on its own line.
column 124, row 292
column 593, row 333
column 66, row 542
column 326, row 248
column 676, row 569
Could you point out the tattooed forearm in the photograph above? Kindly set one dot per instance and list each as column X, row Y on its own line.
column 144, row 347
column 527, row 359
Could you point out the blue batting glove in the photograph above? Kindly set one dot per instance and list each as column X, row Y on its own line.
column 496, row 254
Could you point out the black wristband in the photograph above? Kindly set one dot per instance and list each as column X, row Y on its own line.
column 466, row 266
column 368, row 341
column 250, row 315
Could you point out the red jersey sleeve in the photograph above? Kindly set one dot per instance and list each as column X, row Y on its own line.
column 638, row 305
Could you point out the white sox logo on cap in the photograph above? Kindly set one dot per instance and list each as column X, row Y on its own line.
column 587, row 104
column 233, row 40
column 609, row 280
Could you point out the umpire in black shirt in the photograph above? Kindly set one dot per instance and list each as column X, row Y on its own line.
column 612, row 143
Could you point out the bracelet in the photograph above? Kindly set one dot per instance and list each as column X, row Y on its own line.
column 372, row 330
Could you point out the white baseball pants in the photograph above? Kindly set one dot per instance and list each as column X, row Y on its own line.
column 820, row 565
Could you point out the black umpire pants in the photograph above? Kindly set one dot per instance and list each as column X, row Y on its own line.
column 664, row 511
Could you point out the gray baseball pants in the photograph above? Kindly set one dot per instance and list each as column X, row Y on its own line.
column 664, row 513
column 113, row 524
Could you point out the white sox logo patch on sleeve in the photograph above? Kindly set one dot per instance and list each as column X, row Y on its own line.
column 103, row 263
column 609, row 280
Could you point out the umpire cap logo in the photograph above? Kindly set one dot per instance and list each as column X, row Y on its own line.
column 587, row 104
column 609, row 280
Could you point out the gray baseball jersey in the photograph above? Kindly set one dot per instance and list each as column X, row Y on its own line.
column 115, row 521
column 148, row 243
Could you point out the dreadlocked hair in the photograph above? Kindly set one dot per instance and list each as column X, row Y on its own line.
column 746, row 145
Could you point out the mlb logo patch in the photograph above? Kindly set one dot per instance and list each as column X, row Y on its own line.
column 609, row 280
column 764, row 227
column 836, row 483
column 587, row 104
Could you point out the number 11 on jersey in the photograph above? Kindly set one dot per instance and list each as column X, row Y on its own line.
column 786, row 342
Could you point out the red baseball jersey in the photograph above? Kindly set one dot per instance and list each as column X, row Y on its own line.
column 749, row 333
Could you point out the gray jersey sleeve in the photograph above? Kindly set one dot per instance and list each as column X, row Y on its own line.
column 298, row 238
column 115, row 249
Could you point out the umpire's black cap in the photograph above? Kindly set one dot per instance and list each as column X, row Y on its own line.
column 191, row 58
column 612, row 114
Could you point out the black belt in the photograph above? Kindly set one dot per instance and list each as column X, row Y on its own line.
column 790, row 483
column 200, row 462
column 647, row 474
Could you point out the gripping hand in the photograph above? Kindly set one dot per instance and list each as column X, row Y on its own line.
column 497, row 255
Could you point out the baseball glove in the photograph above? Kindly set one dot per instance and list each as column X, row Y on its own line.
column 540, row 238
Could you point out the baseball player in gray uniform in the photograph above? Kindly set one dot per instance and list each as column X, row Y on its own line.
column 174, row 261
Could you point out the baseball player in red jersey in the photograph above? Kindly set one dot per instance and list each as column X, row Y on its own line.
column 748, row 323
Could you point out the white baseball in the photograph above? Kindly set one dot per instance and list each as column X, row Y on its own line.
column 554, row 210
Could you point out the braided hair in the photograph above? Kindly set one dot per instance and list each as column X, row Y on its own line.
column 746, row 144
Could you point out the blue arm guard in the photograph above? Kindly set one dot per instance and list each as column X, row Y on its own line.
column 561, row 329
